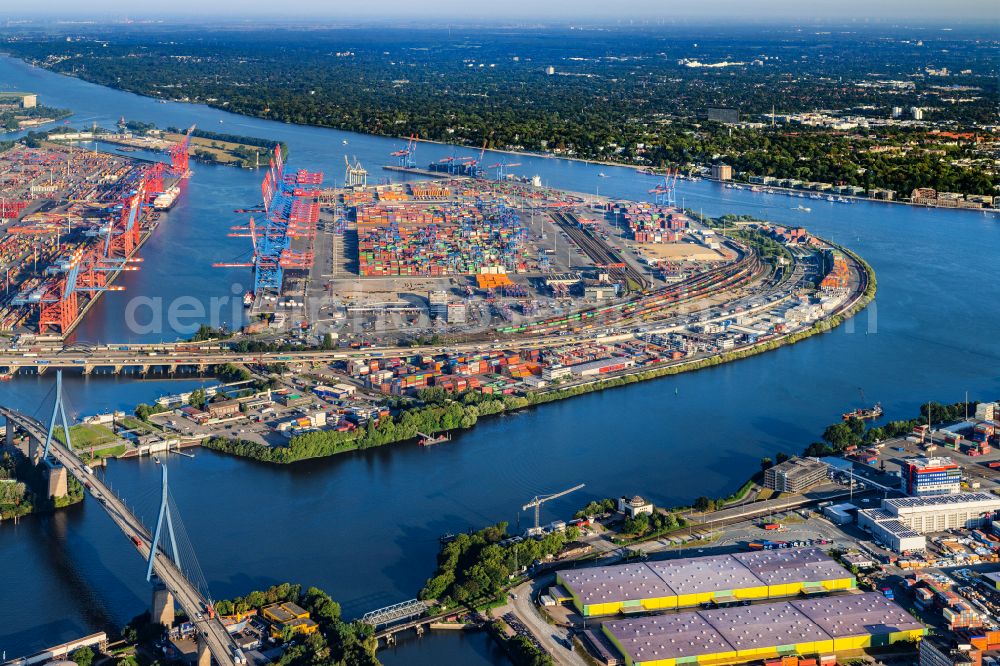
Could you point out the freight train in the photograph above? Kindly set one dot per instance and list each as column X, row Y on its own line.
column 647, row 305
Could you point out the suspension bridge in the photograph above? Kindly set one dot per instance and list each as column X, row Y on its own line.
column 171, row 576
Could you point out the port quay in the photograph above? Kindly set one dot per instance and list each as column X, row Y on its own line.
column 646, row 438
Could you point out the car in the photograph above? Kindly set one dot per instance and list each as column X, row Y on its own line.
column 198, row 615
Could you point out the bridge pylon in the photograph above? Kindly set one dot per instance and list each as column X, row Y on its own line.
column 163, row 516
column 58, row 410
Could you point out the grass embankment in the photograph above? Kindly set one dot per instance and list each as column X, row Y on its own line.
column 464, row 410
column 229, row 149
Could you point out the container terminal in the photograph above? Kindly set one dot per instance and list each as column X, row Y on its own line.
column 466, row 258
column 72, row 221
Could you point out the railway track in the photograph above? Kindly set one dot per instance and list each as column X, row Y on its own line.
column 600, row 252
column 648, row 306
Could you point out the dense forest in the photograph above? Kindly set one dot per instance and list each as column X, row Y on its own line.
column 626, row 98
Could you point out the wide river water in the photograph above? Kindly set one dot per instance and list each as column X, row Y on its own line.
column 365, row 526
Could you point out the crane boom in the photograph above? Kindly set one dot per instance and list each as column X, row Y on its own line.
column 537, row 501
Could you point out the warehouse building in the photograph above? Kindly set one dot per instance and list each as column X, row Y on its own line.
column 795, row 475
column 807, row 627
column 901, row 523
column 691, row 581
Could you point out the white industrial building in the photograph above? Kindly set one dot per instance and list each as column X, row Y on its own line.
column 901, row 523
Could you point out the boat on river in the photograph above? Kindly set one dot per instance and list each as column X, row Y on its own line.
column 427, row 440
column 864, row 413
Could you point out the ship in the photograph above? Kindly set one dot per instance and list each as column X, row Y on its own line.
column 430, row 441
column 864, row 414
column 165, row 200
column 248, row 299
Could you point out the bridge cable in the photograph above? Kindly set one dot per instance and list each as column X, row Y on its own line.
column 189, row 563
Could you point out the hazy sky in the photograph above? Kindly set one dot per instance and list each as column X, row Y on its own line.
column 567, row 10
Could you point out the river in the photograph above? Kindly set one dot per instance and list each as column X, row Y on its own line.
column 364, row 526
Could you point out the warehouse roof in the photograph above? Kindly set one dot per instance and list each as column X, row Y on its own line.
column 624, row 582
column 856, row 614
column 667, row 637
column 759, row 626
column 791, row 565
column 691, row 575
column 762, row 626
column 704, row 574
column 939, row 500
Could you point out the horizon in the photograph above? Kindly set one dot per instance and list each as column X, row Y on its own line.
column 642, row 12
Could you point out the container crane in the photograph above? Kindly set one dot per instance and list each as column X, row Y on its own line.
column 405, row 155
column 502, row 167
column 179, row 155
column 537, row 502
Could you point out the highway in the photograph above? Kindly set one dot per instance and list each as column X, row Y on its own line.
column 211, row 631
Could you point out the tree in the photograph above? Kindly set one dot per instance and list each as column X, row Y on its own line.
column 766, row 464
column 198, row 398
column 82, row 656
column 704, row 504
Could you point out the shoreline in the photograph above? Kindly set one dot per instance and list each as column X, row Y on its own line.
column 524, row 153
column 866, row 293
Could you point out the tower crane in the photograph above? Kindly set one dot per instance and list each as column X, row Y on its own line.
column 538, row 500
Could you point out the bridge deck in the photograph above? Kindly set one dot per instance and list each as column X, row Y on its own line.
column 218, row 640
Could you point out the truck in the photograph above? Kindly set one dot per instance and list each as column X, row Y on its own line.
column 772, row 526
column 888, row 593
column 88, row 469
column 135, row 540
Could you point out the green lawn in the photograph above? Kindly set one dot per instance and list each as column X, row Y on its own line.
column 86, row 435
column 139, row 426
column 108, row 452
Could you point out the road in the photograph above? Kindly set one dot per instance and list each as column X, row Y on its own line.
column 217, row 639
column 553, row 638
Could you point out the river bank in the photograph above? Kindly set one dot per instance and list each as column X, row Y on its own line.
column 223, row 105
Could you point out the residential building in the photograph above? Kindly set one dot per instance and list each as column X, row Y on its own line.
column 795, row 475
column 722, row 172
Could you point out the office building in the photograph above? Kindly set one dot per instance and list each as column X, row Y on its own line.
column 795, row 475
column 931, row 476
column 719, row 115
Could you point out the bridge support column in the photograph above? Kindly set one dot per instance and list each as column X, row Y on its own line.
column 41, row 369
column 204, row 656
column 118, row 369
column 144, row 369
column 88, row 369
column 58, row 480
column 163, row 606
column 8, row 435
column 34, row 449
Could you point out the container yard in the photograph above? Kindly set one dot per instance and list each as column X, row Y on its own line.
column 72, row 221
column 812, row 631
column 692, row 581
column 508, row 256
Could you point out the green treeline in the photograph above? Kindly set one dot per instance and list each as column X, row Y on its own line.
column 337, row 643
column 624, row 97
column 476, row 568
column 854, row 432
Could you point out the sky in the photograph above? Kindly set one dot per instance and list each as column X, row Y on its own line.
column 949, row 12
